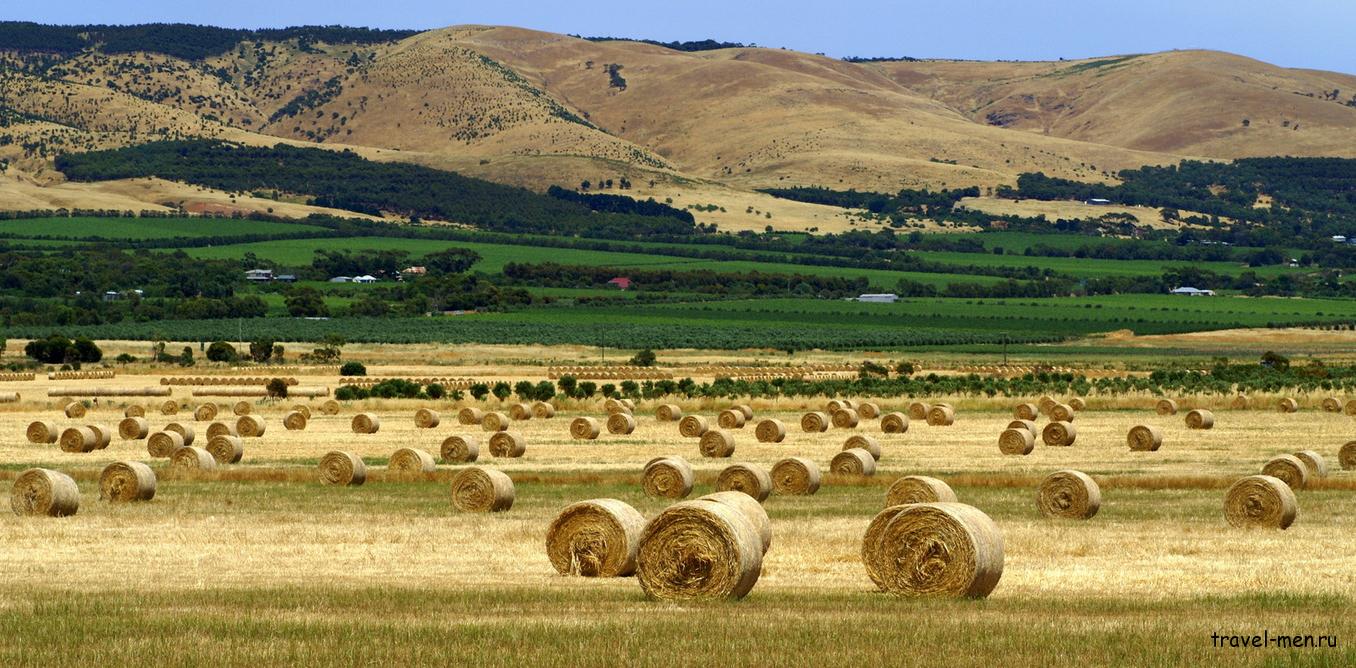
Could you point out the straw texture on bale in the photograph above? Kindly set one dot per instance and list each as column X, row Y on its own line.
column 365, row 423
column 1332, row 405
column 730, row 418
column 846, row 418
column 125, row 482
column 543, row 410
column 44, row 492
column 507, row 444
column 135, row 410
column 460, row 449
column 183, row 430
column 1069, row 494
column 226, row 449
column 1200, row 419
column 770, row 430
column 584, row 428
column 294, row 421
column 78, row 439
column 934, row 549
column 595, row 538
column 918, row 489
column 83, row 391
column 941, row 415
column 221, row 429
column 612, row 406
column 330, row 407
column 1346, row 457
column 667, row 478
column 1016, row 441
column 745, row 478
column 1260, row 501
column 1144, row 438
column 1061, row 413
column 699, row 549
column 481, row 490
column 621, row 423
column 1239, row 403
column 520, row 412
column 1350, row 408
column 189, row 459
column 303, row 409
column 853, row 462
column 162, row 444
column 692, row 426
column 894, row 423
column 668, row 412
column 41, row 432
column 75, row 410
column 342, row 468
column 864, row 442
column 795, row 476
column 426, row 418
column 1289, row 469
column 746, row 409
column 752, row 511
column 918, row 411
column 868, row 410
column 814, row 422
column 411, row 461
column 495, row 421
column 103, row 435
column 133, row 429
column 242, row 408
column 250, row 426
column 470, row 415
column 1288, row 405
column 1077, row 403
column 205, row 413
column 1026, row 411
column 1029, row 425
column 717, row 443
column 1059, row 434
column 1314, row 462
column 1044, row 403
column 1165, row 407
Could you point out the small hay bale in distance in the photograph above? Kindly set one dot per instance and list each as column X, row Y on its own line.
column 1288, row 405
column 868, row 410
column 226, row 449
column 480, row 490
column 426, row 418
column 78, row 439
column 495, row 421
column 507, row 444
column 250, row 426
column 700, row 549
column 835, row 405
column 162, row 444
column 330, row 407
column 411, row 462
column 1061, row 413
column 934, row 549
column 1061, row 434
column 770, row 430
column 221, row 429
column 126, row 482
column 667, row 478
column 745, row 478
column 894, row 423
column 1025, row 411
column 205, row 412
column 846, row 418
column 918, row 411
column 242, row 407
column 1350, row 407
column 135, row 410
column 1346, row 456
column 864, row 442
column 1332, row 405
column 612, row 406
column 1044, row 403
column 621, row 423
column 1261, row 502
column 303, row 409
column 854, row 462
column 584, row 428
column 692, row 426
column 746, row 409
column 1144, row 438
column 44, row 493
column 133, row 429
column 717, row 443
column 1290, row 469
column 598, row 538
column 1240, row 402
column 520, row 412
column 42, row 432
column 543, row 410
column 1016, row 442
column 1078, row 403
column 795, row 476
column 814, row 422
column 918, row 489
column 183, row 430
column 294, row 421
column 169, row 407
column 457, row 449
column 941, row 415
column 1165, row 407
column 9, row 397
column 1029, row 425
column 730, row 418
column 365, row 423
column 469, row 416
column 1200, row 419
column 74, row 410
column 1069, row 494
column 668, row 412
column 1314, row 462
column 189, row 459
column 342, row 468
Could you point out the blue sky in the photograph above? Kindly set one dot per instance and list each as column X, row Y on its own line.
column 1298, row 33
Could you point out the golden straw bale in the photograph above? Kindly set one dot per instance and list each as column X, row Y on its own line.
column 730, row 419
column 700, row 549
column 584, row 428
column 342, row 468
column 294, row 421
column 846, row 419
column 226, row 449
column 42, row 432
column 692, row 426
column 1144, row 438
column 1314, row 462
column 481, row 490
column 426, row 418
column 330, row 407
column 495, row 421
column 242, row 408
column 745, row 478
column 365, row 423
column 668, row 412
column 1346, row 457
column 135, row 410
column 1166, row 407
column 934, row 549
column 250, row 426
column 770, row 430
column 1332, row 405
column 814, row 422
column 1014, row 441
column 507, row 444
column 667, row 478
column 621, row 423
column 75, row 410
column 795, row 476
column 470, row 416
column 1059, row 434
column 182, row 429
column 543, row 410
column 44, row 492
column 941, row 415
column 520, row 411
column 919, row 411
column 125, row 482
column 78, row 439
column 1069, row 494
column 162, row 444
column 1028, row 425
column 595, row 538
column 103, row 435
column 864, row 442
column 1288, row 405
column 854, row 462
column 189, row 459
column 868, row 410
column 221, row 429
column 1200, row 419
column 1240, row 402
column 1260, row 501
column 460, row 449
column 205, row 412
column 918, row 489
column 894, row 423
column 1077, row 403
column 717, row 443
column 410, row 462
column 1290, row 469
column 1061, row 412
column 303, row 409
column 1026, row 411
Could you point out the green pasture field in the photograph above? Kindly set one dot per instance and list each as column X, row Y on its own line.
column 93, row 228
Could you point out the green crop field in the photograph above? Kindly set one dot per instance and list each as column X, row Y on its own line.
column 89, row 228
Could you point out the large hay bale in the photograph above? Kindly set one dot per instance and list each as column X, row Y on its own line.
column 183, row 430
column 1166, row 407
column 1200, row 419
column 250, row 426
column 242, row 407
column 918, row 411
column 74, row 410
column 1061, row 413
column 814, row 422
column 205, row 412
column 667, row 478
column 44, row 492
column 426, row 418
column 894, row 423
column 409, row 462
column 125, row 482
column 795, row 476
column 584, row 428
column 612, row 406
column 868, row 410
column 226, row 449
column 342, row 468
column 507, row 444
column 1069, row 494
column 745, row 409
column 864, row 442
column 1061, row 434
column 1314, row 462
column 169, row 407
column 1289, row 469
column 1025, row 411
column 78, row 439
column 133, row 429
column 730, row 418
column 1240, row 402
column 294, row 421
column 221, row 429
column 1029, row 425
column 330, row 407
column 751, row 509
column 1016, row 442
column 701, row 549
column 460, row 449
column 836, row 405
column 365, row 423
column 189, row 459
column 1044, row 403
column 1288, row 405
column 470, row 416
column 520, row 412
column 1346, row 457
column 1332, row 405
column 621, row 423
column 495, row 421
column 1260, row 501
column 854, row 462
column 103, row 435
column 770, row 430
column 918, row 489
column 481, row 490
column 846, row 419
column 745, row 478
column 692, row 426
column 934, row 549
column 543, row 410
column 41, row 432
column 717, row 443
column 1144, row 438
column 135, row 410
column 303, row 409
column 941, row 415
column 668, row 412
column 162, row 444
column 595, row 538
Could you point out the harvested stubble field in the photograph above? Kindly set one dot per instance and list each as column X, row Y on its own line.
column 258, row 562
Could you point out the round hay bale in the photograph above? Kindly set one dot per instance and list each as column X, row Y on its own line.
column 1044, row 403
column 1144, row 438
column 189, row 459
column 410, row 462
column 303, row 409
column 934, row 549
column 1288, row 405
column 78, row 439
column 44, row 492
column 869, row 410
column 1077, row 403
column 1061, row 434
column 330, row 407
column 894, row 423
column 770, row 431
column 941, row 415
column 426, row 418
column 919, row 411
column 342, row 468
column 1314, row 462
column 1350, row 407
column 717, row 443
column 667, row 478
column 162, row 444
column 612, row 406
column 294, row 421
column 1069, row 494
column 1014, row 441
column 470, row 416
column 183, row 430
column 692, row 426
column 125, row 482
column 75, row 410
column 135, row 410
column 701, row 549
column 1346, row 457
column 169, row 407
column 1260, row 501
column 1166, row 407
column 1240, row 402
column 864, row 442
column 520, row 412
column 543, row 410
column 221, row 429
column 460, row 449
column 365, row 423
column 745, row 478
column 1200, row 419
column 621, row 423
column 814, row 422
column 250, row 426
column 854, row 462
column 918, row 489
column 730, row 418
column 846, row 419
column 103, row 435
column 226, row 449
column 41, row 432
column 1026, row 411
column 205, row 413
column 1061, row 413
column 833, row 406
column 584, row 428
column 752, row 511
column 595, row 538
column 668, row 412
column 795, row 476
column 1290, row 469
column 495, row 421
column 481, row 490
column 1028, row 425
column 242, row 407
column 1332, row 405
column 507, row 444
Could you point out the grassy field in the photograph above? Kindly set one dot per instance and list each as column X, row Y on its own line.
column 145, row 228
